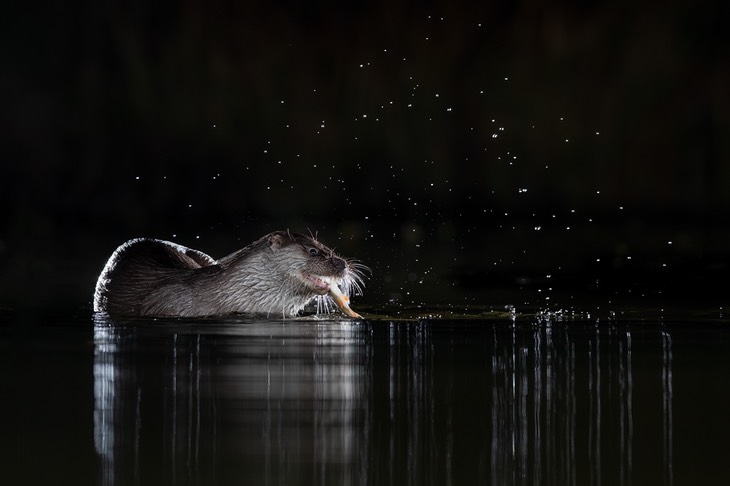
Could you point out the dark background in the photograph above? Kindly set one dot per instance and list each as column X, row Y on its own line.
column 507, row 153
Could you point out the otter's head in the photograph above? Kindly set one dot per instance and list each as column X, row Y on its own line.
column 311, row 267
column 307, row 269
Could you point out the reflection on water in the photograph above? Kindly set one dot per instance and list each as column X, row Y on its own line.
column 667, row 408
column 387, row 403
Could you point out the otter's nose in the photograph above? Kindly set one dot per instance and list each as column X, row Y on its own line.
column 338, row 264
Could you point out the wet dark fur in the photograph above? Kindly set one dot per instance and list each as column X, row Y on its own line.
column 276, row 275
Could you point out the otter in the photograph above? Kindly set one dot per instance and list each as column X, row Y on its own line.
column 279, row 274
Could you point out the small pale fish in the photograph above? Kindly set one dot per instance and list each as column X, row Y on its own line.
column 342, row 301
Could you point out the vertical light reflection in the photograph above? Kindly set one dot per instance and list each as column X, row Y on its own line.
column 629, row 409
column 105, row 380
column 392, row 367
column 551, row 451
column 550, row 402
column 340, row 356
column 433, row 410
column 524, row 422
column 415, row 392
column 179, row 402
column 667, row 399
column 571, row 367
column 133, row 397
column 537, row 406
column 626, row 421
column 173, row 435
column 552, row 393
column 594, row 421
column 591, row 414
column 597, row 444
column 533, row 407
column 498, row 427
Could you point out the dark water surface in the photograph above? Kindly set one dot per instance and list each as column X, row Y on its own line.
column 488, row 401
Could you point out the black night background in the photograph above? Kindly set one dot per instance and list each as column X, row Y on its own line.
column 470, row 155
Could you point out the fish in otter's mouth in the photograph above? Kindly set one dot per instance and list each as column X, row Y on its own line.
column 342, row 301
column 331, row 286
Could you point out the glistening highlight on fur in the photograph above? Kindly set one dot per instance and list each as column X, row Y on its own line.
column 277, row 275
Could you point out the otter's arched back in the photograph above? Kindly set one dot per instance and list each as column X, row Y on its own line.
column 137, row 267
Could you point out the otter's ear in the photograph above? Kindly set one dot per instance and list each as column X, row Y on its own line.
column 277, row 240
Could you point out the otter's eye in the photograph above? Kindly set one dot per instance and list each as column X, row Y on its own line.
column 313, row 251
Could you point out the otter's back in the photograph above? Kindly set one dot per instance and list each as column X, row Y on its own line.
column 137, row 268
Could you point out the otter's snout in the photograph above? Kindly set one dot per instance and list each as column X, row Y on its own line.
column 338, row 264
